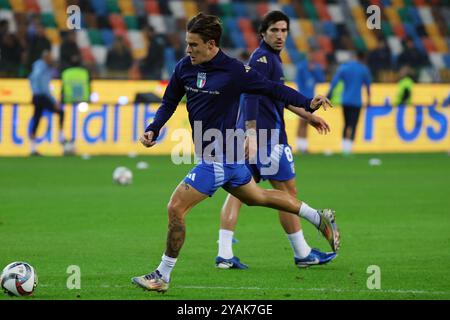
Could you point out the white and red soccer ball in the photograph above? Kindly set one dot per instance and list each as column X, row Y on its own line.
column 122, row 176
column 19, row 279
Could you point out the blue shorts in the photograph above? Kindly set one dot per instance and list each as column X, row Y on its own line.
column 208, row 177
column 278, row 165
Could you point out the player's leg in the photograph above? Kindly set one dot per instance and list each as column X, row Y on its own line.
column 355, row 112
column 228, row 219
column 352, row 117
column 37, row 115
column 182, row 200
column 302, row 141
column 304, row 256
column 56, row 108
column 252, row 195
column 346, row 136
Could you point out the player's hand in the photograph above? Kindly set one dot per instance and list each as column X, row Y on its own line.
column 320, row 101
column 147, row 139
column 320, row 124
column 251, row 146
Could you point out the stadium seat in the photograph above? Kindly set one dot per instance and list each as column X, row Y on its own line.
column 95, row 37
column 190, row 8
column 325, row 43
column 136, row 39
column 17, row 5
column 152, row 7
column 32, row 6
column 87, row 55
column 82, row 38
column 131, row 22
column 336, row 13
column 437, row 60
column 4, row 4
column 157, row 22
column 99, row 53
column 126, row 7
column 107, row 36
column 53, row 36
column 262, row 8
column 100, row 7
column 48, row 20
column 139, row 7
column 428, row 44
column 239, row 10
column 112, row 6
column 177, row 8
column 46, row 6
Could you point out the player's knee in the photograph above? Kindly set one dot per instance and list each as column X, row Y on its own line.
column 175, row 209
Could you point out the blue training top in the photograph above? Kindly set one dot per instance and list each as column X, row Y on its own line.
column 40, row 78
column 267, row 111
column 307, row 77
column 213, row 90
column 354, row 75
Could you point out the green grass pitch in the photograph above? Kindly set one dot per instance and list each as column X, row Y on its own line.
column 57, row 212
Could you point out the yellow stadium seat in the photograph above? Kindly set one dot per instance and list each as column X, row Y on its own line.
column 392, row 15
column 139, row 53
column 307, row 27
column 440, row 44
column 285, row 57
column 301, row 43
column 191, row 8
column 432, row 29
column 17, row 5
column 61, row 20
column 59, row 4
column 126, row 7
column 358, row 14
column 53, row 35
column 398, row 3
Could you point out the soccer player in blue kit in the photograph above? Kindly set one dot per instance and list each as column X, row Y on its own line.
column 263, row 112
column 213, row 83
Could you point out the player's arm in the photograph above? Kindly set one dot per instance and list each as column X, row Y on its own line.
column 317, row 122
column 250, row 105
column 172, row 96
column 251, row 81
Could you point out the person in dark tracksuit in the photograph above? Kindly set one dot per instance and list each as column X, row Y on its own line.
column 354, row 75
column 40, row 78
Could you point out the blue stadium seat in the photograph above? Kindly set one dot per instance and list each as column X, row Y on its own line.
column 289, row 11
column 239, row 9
column 415, row 16
column 410, row 30
column 100, row 7
column 108, row 37
column 446, row 58
column 290, row 44
column 329, row 29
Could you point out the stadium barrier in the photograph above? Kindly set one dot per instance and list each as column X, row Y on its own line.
column 110, row 127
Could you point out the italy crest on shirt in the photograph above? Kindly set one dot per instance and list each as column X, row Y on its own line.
column 201, row 79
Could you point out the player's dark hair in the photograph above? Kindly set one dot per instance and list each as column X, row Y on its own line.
column 271, row 18
column 208, row 27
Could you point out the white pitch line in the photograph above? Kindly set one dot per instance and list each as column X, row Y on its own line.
column 399, row 291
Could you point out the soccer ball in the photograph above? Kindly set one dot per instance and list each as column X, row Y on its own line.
column 122, row 176
column 18, row 279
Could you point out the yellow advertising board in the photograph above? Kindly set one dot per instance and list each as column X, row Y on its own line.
column 108, row 127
